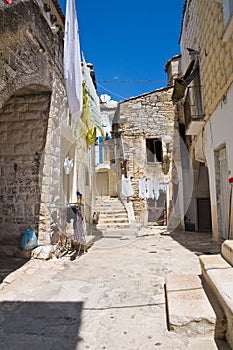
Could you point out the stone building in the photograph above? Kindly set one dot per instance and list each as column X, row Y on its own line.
column 37, row 133
column 206, row 41
column 144, row 129
column 106, row 181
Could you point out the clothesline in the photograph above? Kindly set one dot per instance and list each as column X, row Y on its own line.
column 151, row 189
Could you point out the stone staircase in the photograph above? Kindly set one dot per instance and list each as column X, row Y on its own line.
column 203, row 305
column 112, row 218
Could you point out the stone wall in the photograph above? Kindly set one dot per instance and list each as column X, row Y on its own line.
column 23, row 128
column 33, row 108
column 147, row 116
column 204, row 30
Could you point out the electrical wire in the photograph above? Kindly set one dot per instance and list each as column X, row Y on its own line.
column 132, row 81
column 111, row 92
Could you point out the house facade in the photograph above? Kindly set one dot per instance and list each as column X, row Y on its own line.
column 144, row 128
column 38, row 136
column 105, row 151
column 206, row 41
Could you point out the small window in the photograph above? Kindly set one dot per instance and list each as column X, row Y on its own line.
column 154, row 150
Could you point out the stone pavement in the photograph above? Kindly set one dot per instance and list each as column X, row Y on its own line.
column 112, row 297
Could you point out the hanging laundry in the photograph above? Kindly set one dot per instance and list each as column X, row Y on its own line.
column 127, row 190
column 156, row 190
column 163, row 187
column 151, row 189
column 68, row 165
column 78, row 229
column 147, row 182
column 72, row 62
column 142, row 188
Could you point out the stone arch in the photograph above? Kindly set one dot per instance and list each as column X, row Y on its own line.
column 32, row 83
column 23, row 131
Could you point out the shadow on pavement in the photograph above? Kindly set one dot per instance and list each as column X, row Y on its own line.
column 11, row 258
column 197, row 242
column 40, row 325
column 8, row 265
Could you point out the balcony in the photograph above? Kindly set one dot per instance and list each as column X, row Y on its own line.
column 194, row 127
column 194, row 118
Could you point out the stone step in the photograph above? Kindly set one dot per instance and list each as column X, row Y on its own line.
column 219, row 276
column 119, row 232
column 107, row 199
column 227, row 251
column 114, row 232
column 112, row 226
column 112, row 220
column 110, row 212
column 112, row 216
column 12, row 249
column 109, row 203
column 211, row 262
column 115, row 215
column 109, row 207
column 188, row 308
column 221, row 321
column 9, row 248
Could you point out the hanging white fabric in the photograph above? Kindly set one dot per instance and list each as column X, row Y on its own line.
column 156, row 190
column 127, row 189
column 68, row 165
column 72, row 62
column 147, row 181
column 142, row 188
column 149, row 189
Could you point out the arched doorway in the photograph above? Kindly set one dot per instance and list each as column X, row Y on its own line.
column 23, row 129
column 106, row 184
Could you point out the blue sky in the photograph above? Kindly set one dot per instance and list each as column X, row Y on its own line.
column 129, row 40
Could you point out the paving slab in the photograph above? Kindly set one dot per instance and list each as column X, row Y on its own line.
column 221, row 282
column 188, row 307
column 212, row 262
column 227, row 251
column 111, row 297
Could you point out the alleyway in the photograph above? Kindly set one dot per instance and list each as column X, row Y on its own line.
column 110, row 298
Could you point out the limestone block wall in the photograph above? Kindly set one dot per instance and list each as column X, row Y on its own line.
column 203, row 26
column 204, row 23
column 23, row 128
column 33, row 108
column 27, row 48
column 146, row 116
column 51, row 166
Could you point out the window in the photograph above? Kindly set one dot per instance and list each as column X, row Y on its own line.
column 154, row 150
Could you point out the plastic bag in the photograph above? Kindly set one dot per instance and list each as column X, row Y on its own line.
column 29, row 240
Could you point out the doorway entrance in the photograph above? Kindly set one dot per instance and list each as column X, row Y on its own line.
column 102, row 184
column 204, row 214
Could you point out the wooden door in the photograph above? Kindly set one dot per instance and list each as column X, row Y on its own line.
column 102, row 184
